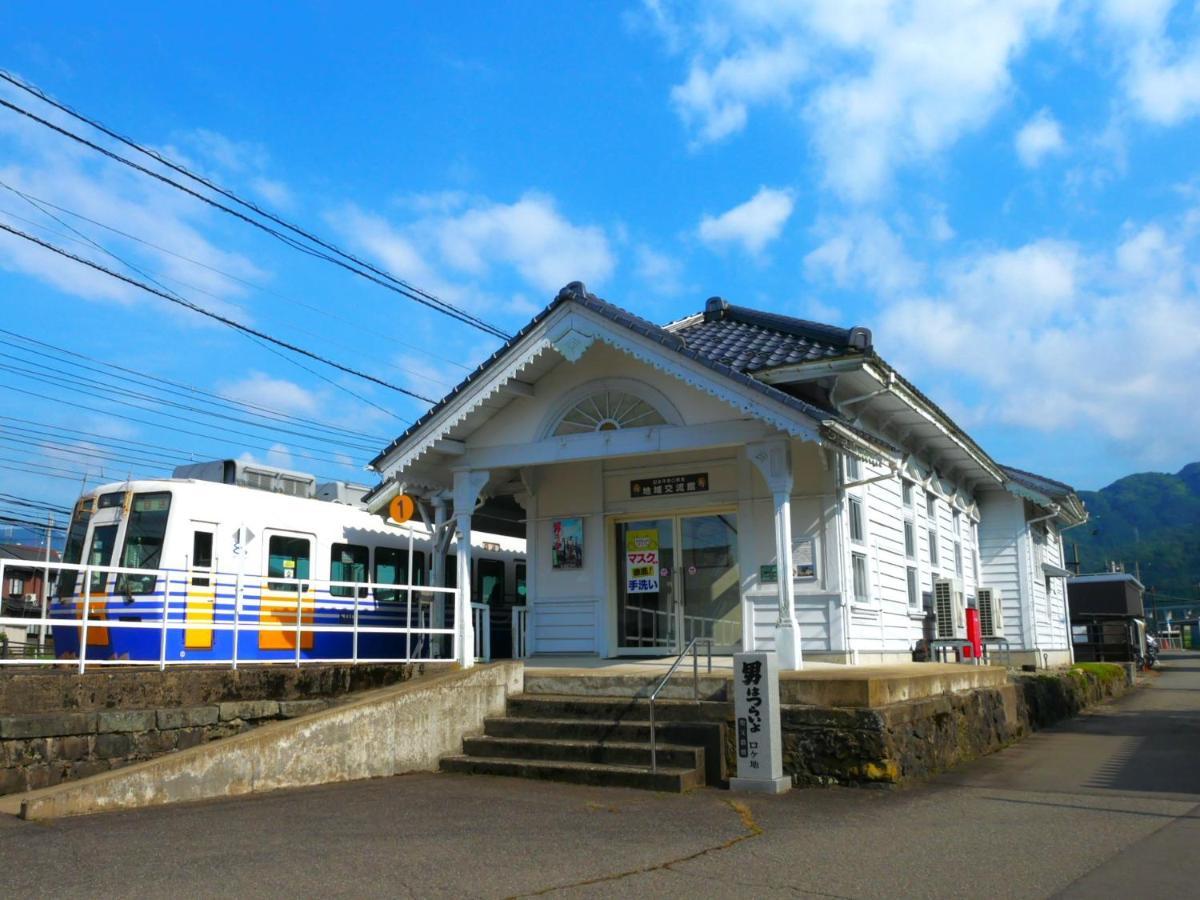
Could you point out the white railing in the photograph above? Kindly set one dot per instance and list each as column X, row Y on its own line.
column 286, row 614
column 481, row 620
column 520, row 623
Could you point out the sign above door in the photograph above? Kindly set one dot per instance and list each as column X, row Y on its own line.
column 669, row 485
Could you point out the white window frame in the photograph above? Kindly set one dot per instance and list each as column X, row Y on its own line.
column 910, row 540
column 856, row 560
column 931, row 505
column 912, row 582
column 906, row 493
column 956, row 517
column 934, row 557
column 853, row 468
column 853, row 505
column 958, row 559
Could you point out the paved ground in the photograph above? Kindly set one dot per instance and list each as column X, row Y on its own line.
column 1108, row 805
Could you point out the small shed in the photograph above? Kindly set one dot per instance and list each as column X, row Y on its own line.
column 1107, row 617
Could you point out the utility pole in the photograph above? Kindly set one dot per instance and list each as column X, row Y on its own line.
column 45, row 587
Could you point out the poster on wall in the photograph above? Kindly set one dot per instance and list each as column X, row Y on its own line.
column 803, row 561
column 567, row 552
column 641, row 561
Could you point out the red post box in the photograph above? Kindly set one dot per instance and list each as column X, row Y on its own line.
column 974, row 634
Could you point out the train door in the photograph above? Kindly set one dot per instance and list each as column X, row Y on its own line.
column 287, row 590
column 201, row 586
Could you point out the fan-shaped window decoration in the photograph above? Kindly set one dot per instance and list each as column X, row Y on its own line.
column 608, row 411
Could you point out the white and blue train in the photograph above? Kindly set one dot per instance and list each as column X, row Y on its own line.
column 293, row 569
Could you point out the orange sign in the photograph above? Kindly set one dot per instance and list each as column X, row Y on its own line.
column 402, row 508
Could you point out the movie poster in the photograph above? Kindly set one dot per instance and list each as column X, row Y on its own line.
column 568, row 544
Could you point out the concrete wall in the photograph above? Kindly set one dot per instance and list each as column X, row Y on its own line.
column 403, row 728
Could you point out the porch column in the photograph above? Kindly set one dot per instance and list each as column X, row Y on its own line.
column 774, row 461
column 467, row 485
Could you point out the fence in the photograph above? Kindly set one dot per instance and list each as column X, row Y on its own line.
column 113, row 615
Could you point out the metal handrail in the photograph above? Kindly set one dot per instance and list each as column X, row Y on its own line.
column 662, row 682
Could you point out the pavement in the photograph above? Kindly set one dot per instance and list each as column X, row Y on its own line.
column 1107, row 805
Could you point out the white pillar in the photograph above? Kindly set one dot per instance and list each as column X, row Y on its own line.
column 467, row 485
column 774, row 462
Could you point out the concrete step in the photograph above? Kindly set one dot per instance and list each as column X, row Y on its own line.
column 711, row 687
column 566, row 706
column 606, row 753
column 676, row 780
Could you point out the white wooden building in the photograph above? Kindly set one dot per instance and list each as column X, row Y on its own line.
column 759, row 480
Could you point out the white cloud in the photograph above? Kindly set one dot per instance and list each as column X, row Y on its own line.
column 472, row 237
column 277, row 394
column 662, row 272
column 1050, row 337
column 881, row 85
column 863, row 251
column 1038, row 138
column 1161, row 74
column 752, row 224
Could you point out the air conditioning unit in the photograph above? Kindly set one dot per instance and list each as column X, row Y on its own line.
column 949, row 609
column 991, row 612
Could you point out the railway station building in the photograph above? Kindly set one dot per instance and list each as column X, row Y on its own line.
column 741, row 476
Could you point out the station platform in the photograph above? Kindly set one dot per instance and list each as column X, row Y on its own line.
column 818, row 684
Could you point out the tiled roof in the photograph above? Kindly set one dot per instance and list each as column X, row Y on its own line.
column 730, row 340
column 1056, row 490
column 750, row 341
column 26, row 552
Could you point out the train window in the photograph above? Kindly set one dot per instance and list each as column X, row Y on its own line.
column 489, row 582
column 522, row 589
column 144, row 540
column 73, row 549
column 106, row 501
column 391, row 567
column 100, row 553
column 348, row 562
column 202, row 556
column 287, row 558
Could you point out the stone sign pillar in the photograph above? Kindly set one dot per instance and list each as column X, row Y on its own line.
column 756, row 725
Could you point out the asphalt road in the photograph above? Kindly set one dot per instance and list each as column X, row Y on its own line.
column 1107, row 805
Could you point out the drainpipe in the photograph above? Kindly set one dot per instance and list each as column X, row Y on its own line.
column 1027, row 529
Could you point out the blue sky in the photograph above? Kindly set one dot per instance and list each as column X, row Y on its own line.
column 1007, row 193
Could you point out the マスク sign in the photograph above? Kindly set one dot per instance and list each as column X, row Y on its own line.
column 641, row 561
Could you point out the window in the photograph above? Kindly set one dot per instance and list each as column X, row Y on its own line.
column 144, row 533
column 910, row 540
column 522, row 589
column 391, row 567
column 853, row 468
column 975, row 564
column 489, row 582
column 101, row 552
column 348, row 562
column 914, row 591
column 287, row 557
column 16, row 586
column 107, row 501
column 202, row 556
column 856, row 520
column 933, row 554
column 906, row 492
column 931, row 506
column 859, row 563
column 957, row 517
column 73, row 549
column 958, row 568
column 608, row 411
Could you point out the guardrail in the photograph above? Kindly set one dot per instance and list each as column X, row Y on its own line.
column 520, row 625
column 481, row 619
column 272, row 619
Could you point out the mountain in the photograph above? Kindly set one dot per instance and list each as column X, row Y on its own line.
column 1152, row 519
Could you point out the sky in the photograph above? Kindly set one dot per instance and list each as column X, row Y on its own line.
column 1006, row 193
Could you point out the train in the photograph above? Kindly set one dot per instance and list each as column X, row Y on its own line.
column 235, row 561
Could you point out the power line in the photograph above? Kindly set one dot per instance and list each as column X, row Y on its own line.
column 177, row 430
column 14, row 499
column 320, row 310
column 385, row 279
column 194, row 307
column 176, row 297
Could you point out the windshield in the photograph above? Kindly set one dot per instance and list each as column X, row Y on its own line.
column 144, row 534
column 73, row 549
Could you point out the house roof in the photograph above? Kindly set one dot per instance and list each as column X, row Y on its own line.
column 721, row 330
column 1062, row 495
column 749, row 340
column 26, row 552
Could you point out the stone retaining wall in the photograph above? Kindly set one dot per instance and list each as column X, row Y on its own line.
column 58, row 726
column 919, row 738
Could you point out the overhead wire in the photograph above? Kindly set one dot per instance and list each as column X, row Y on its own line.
column 378, row 276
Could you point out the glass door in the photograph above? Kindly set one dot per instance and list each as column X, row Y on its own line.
column 677, row 579
column 711, row 582
column 647, row 620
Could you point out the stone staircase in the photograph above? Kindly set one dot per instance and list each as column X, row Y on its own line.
column 601, row 741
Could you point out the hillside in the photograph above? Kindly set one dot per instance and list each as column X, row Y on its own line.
column 1150, row 518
